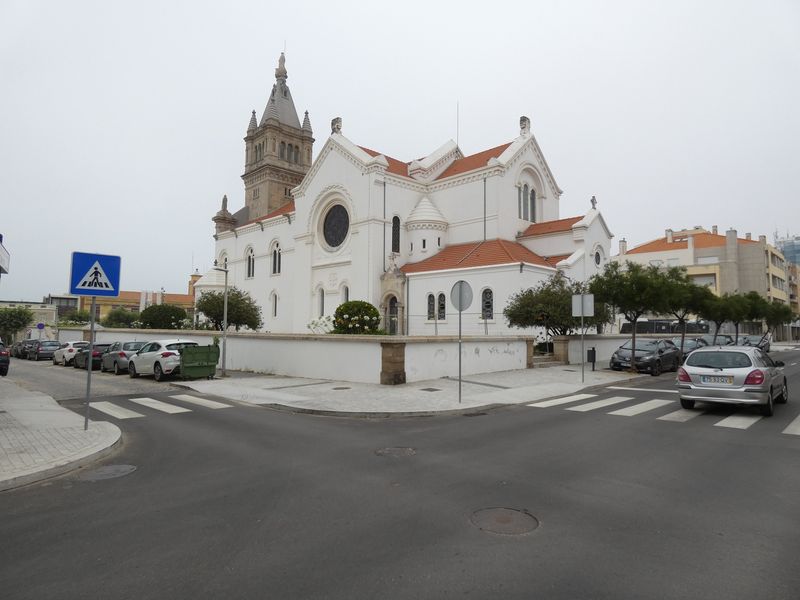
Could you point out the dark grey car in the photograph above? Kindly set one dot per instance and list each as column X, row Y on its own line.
column 43, row 349
column 116, row 357
column 652, row 356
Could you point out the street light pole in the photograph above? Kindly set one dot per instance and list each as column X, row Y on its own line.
column 224, row 315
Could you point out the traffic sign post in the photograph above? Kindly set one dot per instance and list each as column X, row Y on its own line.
column 93, row 275
column 461, row 297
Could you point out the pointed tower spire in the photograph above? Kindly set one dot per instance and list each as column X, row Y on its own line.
column 307, row 124
column 253, row 123
column 280, row 105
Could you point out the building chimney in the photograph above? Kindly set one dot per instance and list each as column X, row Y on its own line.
column 762, row 239
column 623, row 246
column 747, row 236
column 714, row 229
column 668, row 233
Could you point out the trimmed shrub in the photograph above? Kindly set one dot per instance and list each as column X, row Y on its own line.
column 356, row 316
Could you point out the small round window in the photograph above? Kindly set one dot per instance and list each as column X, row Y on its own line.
column 335, row 226
column 597, row 258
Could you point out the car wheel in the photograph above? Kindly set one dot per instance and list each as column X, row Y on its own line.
column 687, row 404
column 784, row 393
column 132, row 370
column 117, row 370
column 768, row 408
column 656, row 369
column 158, row 374
column 54, row 361
column 102, row 367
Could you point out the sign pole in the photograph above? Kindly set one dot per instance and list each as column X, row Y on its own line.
column 89, row 361
column 459, row 357
column 583, row 356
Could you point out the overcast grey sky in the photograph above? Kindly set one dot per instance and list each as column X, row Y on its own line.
column 121, row 123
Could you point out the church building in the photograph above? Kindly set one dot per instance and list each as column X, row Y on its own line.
column 357, row 224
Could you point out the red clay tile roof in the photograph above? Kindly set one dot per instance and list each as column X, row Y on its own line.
column 550, row 226
column 286, row 208
column 701, row 240
column 476, row 254
column 397, row 167
column 554, row 260
column 472, row 162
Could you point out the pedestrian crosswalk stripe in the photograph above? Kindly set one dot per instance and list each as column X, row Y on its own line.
column 200, row 401
column 638, row 409
column 114, row 410
column 633, row 389
column 681, row 416
column 559, row 401
column 162, row 406
column 793, row 428
column 738, row 421
column 599, row 404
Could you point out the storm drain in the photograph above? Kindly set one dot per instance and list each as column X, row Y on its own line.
column 396, row 451
column 341, row 388
column 107, row 472
column 431, row 390
column 504, row 521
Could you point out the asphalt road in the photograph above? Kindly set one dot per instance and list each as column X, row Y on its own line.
column 247, row 502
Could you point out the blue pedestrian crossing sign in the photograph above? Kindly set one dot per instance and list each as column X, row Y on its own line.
column 94, row 274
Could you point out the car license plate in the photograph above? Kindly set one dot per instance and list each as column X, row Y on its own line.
column 726, row 379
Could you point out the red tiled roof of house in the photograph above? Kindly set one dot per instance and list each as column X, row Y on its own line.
column 397, row 167
column 472, row 162
column 554, row 260
column 550, row 226
column 286, row 208
column 701, row 240
column 476, row 254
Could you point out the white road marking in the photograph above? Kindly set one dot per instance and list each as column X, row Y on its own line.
column 201, row 401
column 738, row 421
column 558, row 401
column 115, row 411
column 638, row 409
column 158, row 405
column 681, row 416
column 630, row 389
column 793, row 428
column 599, row 404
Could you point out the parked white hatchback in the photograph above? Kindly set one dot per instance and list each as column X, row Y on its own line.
column 159, row 358
column 67, row 351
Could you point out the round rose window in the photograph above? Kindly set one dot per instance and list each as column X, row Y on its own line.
column 335, row 226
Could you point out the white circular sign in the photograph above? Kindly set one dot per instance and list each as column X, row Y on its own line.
column 461, row 296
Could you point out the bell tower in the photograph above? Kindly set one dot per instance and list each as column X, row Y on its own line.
column 277, row 150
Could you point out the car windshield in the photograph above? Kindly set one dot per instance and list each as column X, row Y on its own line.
column 51, row 344
column 132, row 345
column 646, row 345
column 80, row 344
column 719, row 360
column 180, row 345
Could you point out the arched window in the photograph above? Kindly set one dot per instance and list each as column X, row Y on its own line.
column 396, row 234
column 533, row 204
column 283, row 149
column 223, row 261
column 519, row 201
column 321, row 302
column 525, row 205
column 442, row 308
column 274, row 304
column 393, row 316
column 276, row 259
column 297, row 154
column 346, row 294
column 431, row 307
column 250, row 263
column 487, row 304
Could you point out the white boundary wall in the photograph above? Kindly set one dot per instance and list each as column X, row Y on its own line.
column 431, row 358
column 605, row 345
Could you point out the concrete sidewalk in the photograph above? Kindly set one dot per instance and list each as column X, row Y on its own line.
column 435, row 396
column 41, row 439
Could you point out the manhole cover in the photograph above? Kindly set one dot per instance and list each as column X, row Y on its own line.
column 504, row 521
column 341, row 388
column 431, row 390
column 396, row 451
column 107, row 472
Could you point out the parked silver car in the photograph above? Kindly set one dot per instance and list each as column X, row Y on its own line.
column 732, row 374
column 116, row 357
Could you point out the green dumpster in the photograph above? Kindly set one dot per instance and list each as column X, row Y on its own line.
column 198, row 362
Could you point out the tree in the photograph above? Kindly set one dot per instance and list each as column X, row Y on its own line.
column 738, row 310
column 758, row 307
column 77, row 316
column 162, row 316
column 356, row 316
column 634, row 290
column 242, row 309
column 119, row 317
column 549, row 305
column 681, row 297
column 778, row 314
column 14, row 320
column 715, row 309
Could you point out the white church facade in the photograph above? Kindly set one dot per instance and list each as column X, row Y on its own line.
column 357, row 224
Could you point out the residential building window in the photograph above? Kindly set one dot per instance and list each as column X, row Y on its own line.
column 431, row 307
column 487, row 304
column 250, row 263
column 442, row 308
column 396, row 234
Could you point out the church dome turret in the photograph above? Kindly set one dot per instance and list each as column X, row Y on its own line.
column 427, row 230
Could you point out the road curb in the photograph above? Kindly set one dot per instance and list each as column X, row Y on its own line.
column 471, row 411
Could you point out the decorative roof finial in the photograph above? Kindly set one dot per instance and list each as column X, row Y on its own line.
column 307, row 124
column 524, row 125
column 253, row 123
column 280, row 72
column 336, row 125
column 225, row 203
column 594, row 202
